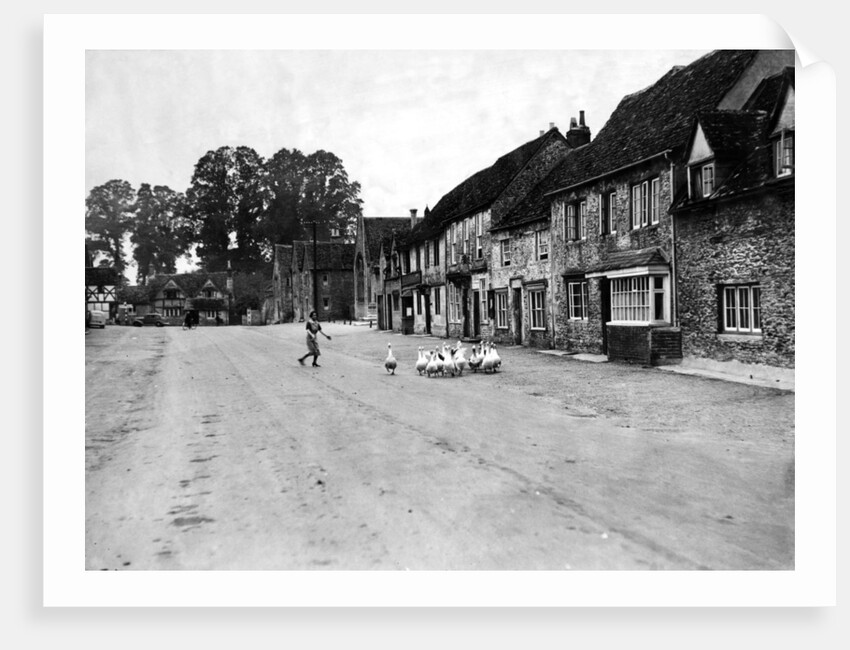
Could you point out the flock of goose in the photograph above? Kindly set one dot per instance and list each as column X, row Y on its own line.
column 450, row 361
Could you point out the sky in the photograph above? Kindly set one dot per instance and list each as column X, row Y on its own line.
column 408, row 125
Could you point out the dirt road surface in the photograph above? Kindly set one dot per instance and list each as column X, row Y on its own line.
column 214, row 449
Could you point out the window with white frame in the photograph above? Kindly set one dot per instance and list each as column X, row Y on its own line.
column 641, row 298
column 742, row 309
column 541, row 244
column 170, row 312
column 646, row 203
column 578, row 299
column 571, row 223
column 582, row 222
column 505, row 250
column 707, row 179
column 655, row 200
column 783, row 155
column 537, row 308
column 454, row 303
column 502, row 309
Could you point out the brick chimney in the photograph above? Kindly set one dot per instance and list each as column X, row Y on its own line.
column 579, row 134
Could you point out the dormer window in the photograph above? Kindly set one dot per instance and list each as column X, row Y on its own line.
column 783, row 155
column 707, row 179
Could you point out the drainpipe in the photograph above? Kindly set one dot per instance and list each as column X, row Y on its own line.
column 674, row 284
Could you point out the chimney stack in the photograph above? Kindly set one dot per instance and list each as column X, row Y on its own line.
column 579, row 134
column 551, row 125
column 413, row 217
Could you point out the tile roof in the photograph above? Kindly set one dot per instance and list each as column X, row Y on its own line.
column 101, row 276
column 190, row 283
column 644, row 124
column 732, row 133
column 479, row 190
column 631, row 258
column 332, row 256
column 770, row 92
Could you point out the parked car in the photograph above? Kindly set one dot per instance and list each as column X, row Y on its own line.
column 149, row 319
column 97, row 318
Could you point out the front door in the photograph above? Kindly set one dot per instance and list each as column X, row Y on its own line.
column 465, row 308
column 517, row 304
column 389, row 312
column 476, row 314
column 605, row 304
column 427, row 298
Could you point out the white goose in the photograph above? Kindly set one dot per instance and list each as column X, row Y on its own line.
column 497, row 360
column 448, row 361
column 475, row 359
column 487, row 363
column 422, row 361
column 390, row 363
column 460, row 359
column 434, row 366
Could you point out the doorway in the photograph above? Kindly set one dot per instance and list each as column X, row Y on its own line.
column 517, row 311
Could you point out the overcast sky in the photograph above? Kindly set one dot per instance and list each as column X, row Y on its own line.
column 408, row 125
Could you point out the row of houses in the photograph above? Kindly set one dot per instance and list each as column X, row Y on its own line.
column 669, row 234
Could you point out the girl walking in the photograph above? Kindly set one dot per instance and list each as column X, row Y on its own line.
column 313, row 329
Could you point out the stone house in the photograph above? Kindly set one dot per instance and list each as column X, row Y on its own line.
column 371, row 234
column 611, row 285
column 331, row 271
column 458, row 232
column 734, row 245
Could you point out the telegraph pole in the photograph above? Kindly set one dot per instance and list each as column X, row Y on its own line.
column 315, row 274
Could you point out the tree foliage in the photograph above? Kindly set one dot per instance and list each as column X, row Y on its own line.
column 228, row 199
column 109, row 211
column 160, row 232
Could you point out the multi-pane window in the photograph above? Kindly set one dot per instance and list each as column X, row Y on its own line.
column 436, row 252
column 454, row 303
column 582, row 222
column 502, row 309
column 541, row 244
column 465, row 236
column 169, row 312
column 783, row 155
column 479, row 236
column 655, row 200
column 646, row 203
column 607, row 203
column 505, row 249
column 453, row 236
column 172, row 294
column 578, row 298
column 427, row 254
column 639, row 298
column 571, row 223
column 537, row 308
column 707, row 179
column 742, row 309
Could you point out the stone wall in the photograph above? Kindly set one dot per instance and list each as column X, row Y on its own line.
column 741, row 241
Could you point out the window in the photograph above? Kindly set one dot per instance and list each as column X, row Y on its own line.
column 453, row 235
column 640, row 298
column 326, row 303
column 655, row 202
column 707, row 179
column 505, row 248
column 418, row 304
column 541, row 244
column 646, row 203
column 582, row 223
column 607, row 202
column 571, row 225
column 437, row 300
column 454, row 304
column 578, row 298
column 479, row 234
column 537, row 308
column 418, row 259
column 465, row 236
column 742, row 309
column 210, row 314
column 436, row 252
column 783, row 155
column 502, row 309
column 325, row 280
column 170, row 312
column 209, row 293
column 427, row 254
column 172, row 294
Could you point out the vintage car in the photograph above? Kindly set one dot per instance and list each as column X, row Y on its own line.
column 97, row 318
column 149, row 319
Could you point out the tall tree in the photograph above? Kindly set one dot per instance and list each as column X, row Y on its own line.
column 309, row 188
column 109, row 211
column 228, row 198
column 161, row 231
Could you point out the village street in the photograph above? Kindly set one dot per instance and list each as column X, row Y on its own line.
column 214, row 449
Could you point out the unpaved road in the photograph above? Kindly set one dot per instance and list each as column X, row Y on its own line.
column 214, row 449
